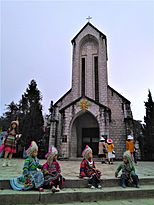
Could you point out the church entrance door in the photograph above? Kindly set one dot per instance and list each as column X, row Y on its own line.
column 84, row 131
column 90, row 137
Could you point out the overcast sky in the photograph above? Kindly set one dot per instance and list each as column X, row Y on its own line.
column 36, row 44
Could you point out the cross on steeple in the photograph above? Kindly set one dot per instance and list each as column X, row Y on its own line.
column 88, row 18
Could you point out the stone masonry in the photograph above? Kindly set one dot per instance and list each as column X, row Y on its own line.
column 79, row 113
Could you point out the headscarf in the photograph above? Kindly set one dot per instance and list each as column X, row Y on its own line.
column 33, row 147
column 102, row 139
column 51, row 154
column 130, row 137
column 15, row 122
column 86, row 152
column 109, row 141
column 127, row 154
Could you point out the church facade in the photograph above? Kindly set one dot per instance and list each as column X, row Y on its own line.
column 91, row 108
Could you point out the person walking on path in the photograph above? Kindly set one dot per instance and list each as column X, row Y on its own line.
column 110, row 148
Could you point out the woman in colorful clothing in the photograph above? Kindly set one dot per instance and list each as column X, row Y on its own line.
column 88, row 169
column 2, row 139
column 110, row 149
column 10, row 143
column 52, row 172
column 128, row 175
column 31, row 178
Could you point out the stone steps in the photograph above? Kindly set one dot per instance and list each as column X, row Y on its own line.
column 82, row 183
column 76, row 191
column 68, row 195
column 112, row 182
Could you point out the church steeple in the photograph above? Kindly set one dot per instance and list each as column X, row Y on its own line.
column 89, row 66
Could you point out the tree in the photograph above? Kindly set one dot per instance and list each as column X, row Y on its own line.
column 149, row 129
column 31, row 118
column 10, row 115
column 29, row 113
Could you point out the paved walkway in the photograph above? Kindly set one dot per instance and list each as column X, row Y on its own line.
column 112, row 202
column 70, row 169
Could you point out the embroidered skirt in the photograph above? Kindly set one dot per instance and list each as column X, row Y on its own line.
column 34, row 180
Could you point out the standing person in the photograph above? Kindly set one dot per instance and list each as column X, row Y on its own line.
column 2, row 139
column 110, row 148
column 10, row 143
column 136, row 150
column 102, row 150
column 128, row 175
column 88, row 169
column 52, row 172
column 31, row 178
column 130, row 145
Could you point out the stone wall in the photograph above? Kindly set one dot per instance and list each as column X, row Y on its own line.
column 94, row 36
column 70, row 114
column 117, row 124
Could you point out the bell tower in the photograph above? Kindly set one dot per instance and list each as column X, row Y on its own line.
column 89, row 65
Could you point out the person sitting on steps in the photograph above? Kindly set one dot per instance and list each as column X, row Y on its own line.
column 88, row 169
column 128, row 175
column 52, row 171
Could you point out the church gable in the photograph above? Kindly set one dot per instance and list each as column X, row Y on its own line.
column 84, row 103
column 64, row 100
column 80, row 118
column 119, row 105
column 90, row 29
column 110, row 89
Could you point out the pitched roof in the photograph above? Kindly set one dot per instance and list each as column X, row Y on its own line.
column 119, row 94
column 73, row 40
column 78, row 99
column 60, row 99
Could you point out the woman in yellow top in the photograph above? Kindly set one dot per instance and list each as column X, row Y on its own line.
column 110, row 148
column 130, row 145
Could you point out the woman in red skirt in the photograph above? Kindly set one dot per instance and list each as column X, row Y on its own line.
column 10, row 143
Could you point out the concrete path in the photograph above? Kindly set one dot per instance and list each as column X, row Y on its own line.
column 115, row 202
column 70, row 169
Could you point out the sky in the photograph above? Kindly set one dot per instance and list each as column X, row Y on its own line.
column 36, row 44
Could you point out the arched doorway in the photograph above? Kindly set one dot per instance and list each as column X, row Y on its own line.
column 85, row 131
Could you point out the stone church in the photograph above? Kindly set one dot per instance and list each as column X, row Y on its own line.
column 91, row 108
